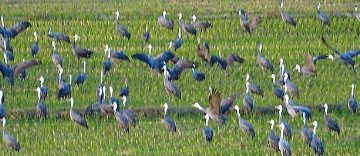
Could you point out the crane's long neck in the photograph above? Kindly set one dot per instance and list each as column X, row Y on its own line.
column 150, row 51
column 282, row 132
column 36, row 38
column 3, row 25
column 4, row 122
column 194, row 19
column 280, row 113
column 180, row 16
column 207, row 121
column 101, row 78
column 326, row 109
column 238, row 113
column 199, row 107
column 273, row 80
column 165, row 110
column 352, row 90
column 5, row 44
column 42, row 83
column 193, row 70
column 39, row 92
column 179, row 32
column 124, row 102
column 111, row 93
column 272, row 126
column 314, row 131
column 84, row 67
column 356, row 9
column 304, row 118
column 282, row 69
column 109, row 52
column 70, row 78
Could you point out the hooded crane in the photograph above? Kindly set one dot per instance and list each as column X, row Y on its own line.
column 146, row 35
column 117, row 56
column 296, row 110
column 107, row 63
column 198, row 76
column 58, row 36
column 105, row 108
column 186, row 27
column 41, row 107
column 75, row 117
column 208, row 132
column 120, row 119
column 253, row 88
column 80, row 52
column 2, row 108
column 164, row 22
column 244, row 21
column 200, row 25
column 125, row 91
column 226, row 103
column 99, row 95
column 264, row 62
column 316, row 143
column 324, row 19
column 128, row 114
column 9, row 141
column 14, row 30
column 330, row 123
column 168, row 122
column 247, row 100
column 121, row 30
column 214, row 109
column 2, row 98
column 287, row 128
column 273, row 139
column 65, row 91
column 356, row 13
column 35, row 47
column 229, row 60
column 286, row 17
column 305, row 132
column 57, row 60
column 9, row 54
column 112, row 99
column 178, row 41
column 7, row 45
column 202, row 53
column 310, row 67
column 245, row 126
column 80, row 78
column 177, row 69
column 7, row 71
column 292, row 88
column 43, row 89
column 169, row 86
column 276, row 90
column 352, row 104
column 284, row 146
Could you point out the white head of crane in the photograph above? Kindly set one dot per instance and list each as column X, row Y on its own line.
column 39, row 92
column 49, row 31
column 111, row 91
column 35, row 34
column 282, row 4
column 207, row 119
column 114, row 106
column 170, row 44
column 197, row 105
column 1, row 95
column 124, row 100
column 237, row 110
column 315, row 126
column 4, row 122
column 260, row 47
column 240, row 13
column 356, row 9
column 247, row 77
column 106, row 49
column 297, row 67
column 272, row 122
column 180, row 16
column 282, row 127
column 150, row 47
column 109, row 54
column 54, row 45
column 247, row 86
column 60, row 72
column 76, row 37
column 166, row 108
column 220, row 52
column 286, row 98
column 193, row 17
column 84, row 66
column 164, row 14
column 5, row 57
column 319, row 6
column 3, row 25
column 117, row 15
column 326, row 107
column 41, row 78
column 273, row 77
column 352, row 89
column 5, row 44
column 279, row 108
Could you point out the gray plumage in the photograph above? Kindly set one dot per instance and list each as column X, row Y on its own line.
column 125, row 91
column 226, row 103
column 80, row 52
column 10, row 33
column 121, row 30
column 316, row 143
column 41, row 107
column 19, row 68
column 319, row 57
column 58, row 36
column 121, row 119
column 253, row 88
column 146, row 35
column 176, row 70
column 305, row 132
column 105, row 108
column 200, row 25
column 273, row 139
column 276, row 90
column 6, row 45
column 198, row 76
column 264, row 62
column 178, row 41
column 330, row 123
column 119, row 56
column 202, row 53
column 322, row 16
column 243, row 22
column 128, row 114
column 94, row 107
column 228, row 61
column 294, row 111
column 186, row 27
column 356, row 13
column 57, row 60
column 9, row 54
column 310, row 67
column 35, row 47
column 80, row 78
column 98, row 91
column 170, row 87
column 208, row 132
column 75, row 117
column 291, row 87
column 2, row 108
column 284, row 146
column 247, row 100
column 245, row 126
column 65, row 91
column 286, row 17
column 164, row 22
column 352, row 104
column 168, row 122
column 107, row 63
column 9, row 141
column 287, row 128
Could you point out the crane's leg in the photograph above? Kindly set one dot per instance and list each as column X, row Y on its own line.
column 187, row 36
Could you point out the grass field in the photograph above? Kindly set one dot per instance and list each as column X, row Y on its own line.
column 94, row 22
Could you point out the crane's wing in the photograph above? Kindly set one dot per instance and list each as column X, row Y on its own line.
column 309, row 61
column 145, row 58
column 17, row 28
column 20, row 67
column 214, row 102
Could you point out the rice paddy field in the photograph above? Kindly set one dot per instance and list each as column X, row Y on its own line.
column 95, row 24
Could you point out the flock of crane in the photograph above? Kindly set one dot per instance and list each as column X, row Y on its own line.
column 217, row 107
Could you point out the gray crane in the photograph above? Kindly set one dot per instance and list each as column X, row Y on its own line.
column 198, row 76
column 356, row 13
column 330, row 123
column 169, row 86
column 253, row 88
column 186, row 27
column 229, row 60
column 294, row 107
column 310, row 67
column 75, row 117
column 168, row 122
column 43, row 89
column 14, row 30
column 208, row 132
column 117, row 56
column 226, row 103
column 287, row 129
column 276, row 90
column 99, row 95
column 121, row 30
column 107, row 63
column 125, row 91
column 178, row 41
column 3, row 96
column 282, row 72
column 113, row 99
column 9, row 54
column 58, row 36
column 324, row 19
column 273, row 139
column 60, row 80
column 352, row 104
column 245, row 126
column 57, row 60
column 292, row 110
column 9, row 141
column 176, row 70
column 35, row 47
column 40, row 107
column 120, row 119
column 146, row 35
column 80, row 52
column 2, row 108
column 7, row 45
column 291, row 87
column 80, row 78
column 128, row 114
column 7, row 71
column 263, row 62
column 316, row 143
column 65, row 91
column 243, row 22
column 284, row 146
column 200, row 25
column 105, row 108
column 164, row 22
column 305, row 132
column 286, row 17
column 202, row 53
column 247, row 100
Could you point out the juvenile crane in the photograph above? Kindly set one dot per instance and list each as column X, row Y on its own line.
column 128, row 114
column 202, row 53
column 208, row 132
column 273, row 139
column 263, row 62
column 284, row 146
column 286, row 17
column 121, row 30
column 245, row 126
column 168, row 122
column 186, row 27
column 35, row 47
column 330, row 123
column 146, row 35
column 9, row 141
column 80, row 78
column 80, row 52
column 316, row 143
column 287, row 128
column 200, row 25
column 58, row 36
column 164, row 22
column 324, row 19
column 305, row 132
column 352, row 104
column 75, row 117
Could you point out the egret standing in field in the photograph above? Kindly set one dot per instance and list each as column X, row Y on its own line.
column 352, row 104
column 208, row 132
column 168, row 122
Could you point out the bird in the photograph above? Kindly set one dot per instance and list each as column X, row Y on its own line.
column 35, row 47
column 80, row 78
column 80, row 52
column 7, row 71
column 319, row 57
column 9, row 141
column 121, row 119
column 253, row 88
column 65, row 91
column 178, row 41
column 146, row 35
column 247, row 100
column 99, row 95
column 58, row 36
column 125, row 91
column 287, row 128
column 316, row 143
column 6, row 45
column 164, row 22
column 105, row 108
column 57, row 60
column 310, row 67
column 245, row 126
column 208, row 132
column 352, row 104
column 273, row 139
column 295, row 110
column 75, row 117
column 283, row 144
column 128, row 114
column 10, row 33
column 113, row 99
column 9, row 54
column 41, row 107
column 169, row 86
column 121, row 30
column 330, row 123
column 117, row 56
column 282, row 75
column 324, row 19
column 243, row 22
column 229, row 60
column 107, row 63
column 276, row 90
column 292, row 88
column 200, row 25
column 43, row 89
column 264, row 62
column 2, row 108
column 286, row 17
column 60, row 80
column 226, row 103
column 305, row 132
column 356, row 13
column 198, row 76
column 176, row 70
column 19, row 68
column 2, row 96
column 168, row 122
column 202, row 53
column 186, row 27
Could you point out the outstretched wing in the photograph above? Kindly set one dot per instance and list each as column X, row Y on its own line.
column 214, row 102
column 17, row 28
column 20, row 67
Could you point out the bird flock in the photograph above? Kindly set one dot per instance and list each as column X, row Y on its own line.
column 217, row 106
